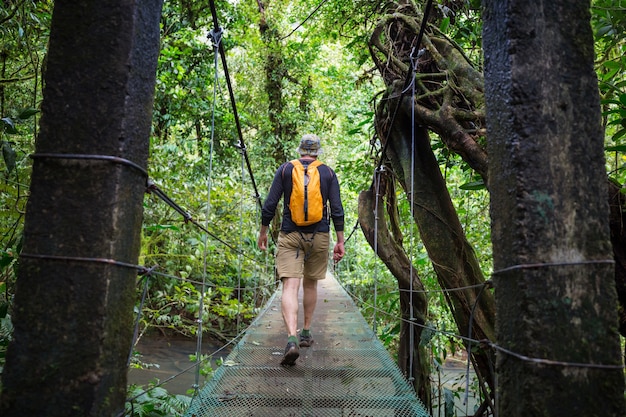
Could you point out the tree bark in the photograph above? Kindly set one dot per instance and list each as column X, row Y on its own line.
column 73, row 309
column 550, row 231
column 453, row 258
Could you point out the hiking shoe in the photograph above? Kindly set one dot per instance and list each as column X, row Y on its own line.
column 291, row 354
column 306, row 341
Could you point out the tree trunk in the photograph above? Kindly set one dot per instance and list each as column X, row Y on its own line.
column 372, row 220
column 442, row 74
column 553, row 270
column 73, row 310
column 452, row 256
column 618, row 241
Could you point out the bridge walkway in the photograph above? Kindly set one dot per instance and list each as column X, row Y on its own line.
column 346, row 372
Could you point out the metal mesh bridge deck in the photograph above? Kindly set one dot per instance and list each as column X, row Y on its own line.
column 346, row 373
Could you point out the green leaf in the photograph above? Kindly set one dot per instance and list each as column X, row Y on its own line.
column 9, row 156
column 27, row 113
column 474, row 185
column 449, row 402
column 445, row 24
column 619, row 134
column 5, row 259
column 611, row 64
column 9, row 126
column 617, row 148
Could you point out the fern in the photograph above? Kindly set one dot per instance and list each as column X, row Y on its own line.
column 154, row 401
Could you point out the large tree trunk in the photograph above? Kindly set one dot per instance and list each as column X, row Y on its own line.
column 550, row 230
column 453, row 258
column 442, row 75
column 414, row 364
column 73, row 310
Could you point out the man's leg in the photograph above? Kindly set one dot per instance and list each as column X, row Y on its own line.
column 289, row 307
column 309, row 301
column 289, row 304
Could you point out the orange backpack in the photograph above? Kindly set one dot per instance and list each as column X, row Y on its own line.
column 306, row 204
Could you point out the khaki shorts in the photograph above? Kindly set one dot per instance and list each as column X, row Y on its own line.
column 302, row 255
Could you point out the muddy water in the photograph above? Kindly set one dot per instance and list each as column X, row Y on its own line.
column 170, row 357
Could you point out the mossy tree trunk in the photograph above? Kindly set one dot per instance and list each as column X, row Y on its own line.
column 449, row 101
column 442, row 75
column 554, row 271
column 414, row 164
column 73, row 310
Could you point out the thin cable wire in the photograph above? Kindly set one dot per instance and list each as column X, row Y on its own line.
column 239, row 264
column 136, row 326
column 154, row 189
column 305, row 20
column 411, row 237
column 231, row 94
column 209, row 283
column 551, row 264
column 469, row 344
column 485, row 342
column 378, row 174
column 442, row 290
column 409, row 77
column 216, row 37
column 356, row 225
column 108, row 158
column 141, row 269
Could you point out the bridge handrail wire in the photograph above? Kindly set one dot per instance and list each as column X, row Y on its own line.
column 482, row 342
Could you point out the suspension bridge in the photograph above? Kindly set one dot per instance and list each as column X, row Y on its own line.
column 346, row 372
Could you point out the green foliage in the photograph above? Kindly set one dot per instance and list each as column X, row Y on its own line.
column 609, row 24
column 153, row 402
column 327, row 87
column 6, row 326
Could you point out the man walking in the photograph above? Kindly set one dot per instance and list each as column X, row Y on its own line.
column 307, row 186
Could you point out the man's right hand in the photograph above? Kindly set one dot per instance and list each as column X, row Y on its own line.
column 262, row 240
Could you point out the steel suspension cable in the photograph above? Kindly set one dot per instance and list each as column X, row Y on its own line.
column 411, row 237
column 231, row 94
column 305, row 20
column 216, row 37
column 378, row 175
column 409, row 82
column 240, row 258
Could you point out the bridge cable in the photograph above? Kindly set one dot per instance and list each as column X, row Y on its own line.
column 378, row 174
column 240, row 265
column 216, row 38
column 241, row 144
column 154, row 189
column 136, row 327
column 409, row 82
column 305, row 20
column 231, row 94
column 411, row 229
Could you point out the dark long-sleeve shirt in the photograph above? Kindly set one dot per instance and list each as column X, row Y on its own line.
column 281, row 187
